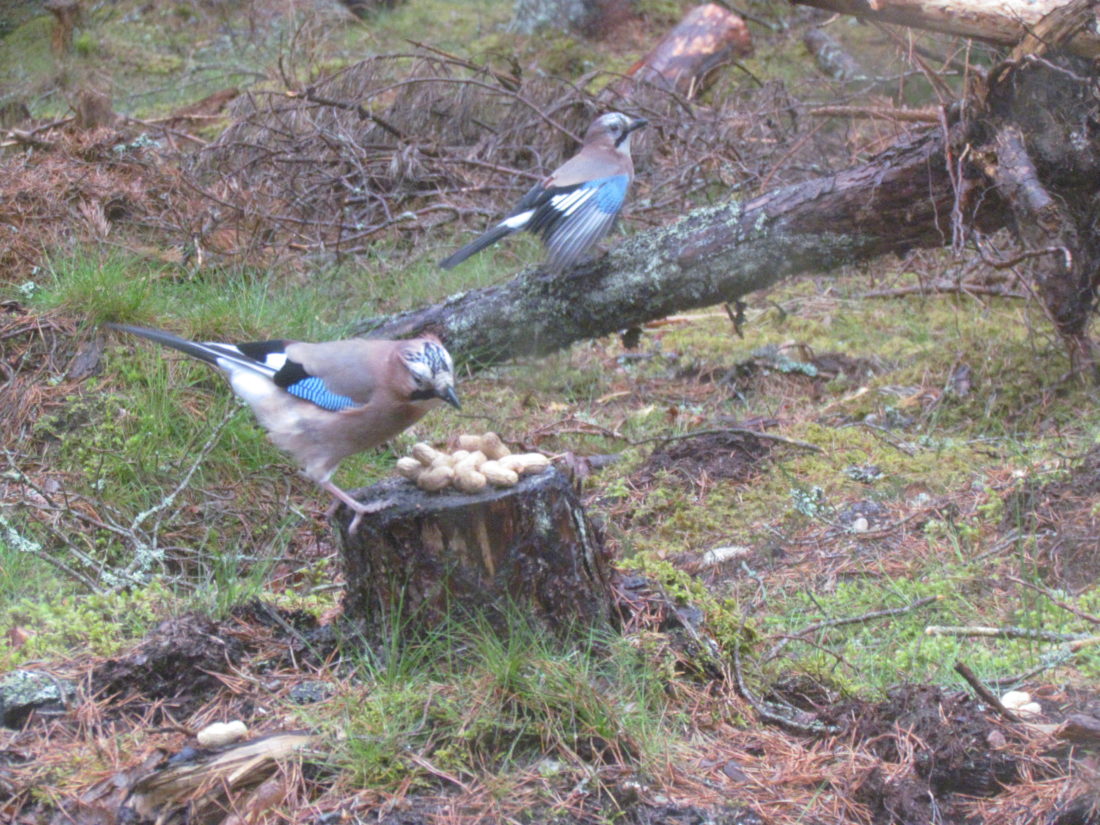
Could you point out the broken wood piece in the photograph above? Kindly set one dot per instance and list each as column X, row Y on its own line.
column 202, row 790
column 1080, row 728
column 430, row 556
column 67, row 15
column 686, row 58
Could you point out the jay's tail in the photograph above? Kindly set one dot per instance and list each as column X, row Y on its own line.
column 196, row 350
column 488, row 239
column 223, row 356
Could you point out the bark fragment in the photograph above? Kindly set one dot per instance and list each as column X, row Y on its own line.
column 687, row 57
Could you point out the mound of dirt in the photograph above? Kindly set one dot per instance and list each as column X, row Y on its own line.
column 947, row 742
column 732, row 455
column 176, row 661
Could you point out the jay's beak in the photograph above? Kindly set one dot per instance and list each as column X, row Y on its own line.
column 449, row 396
column 637, row 123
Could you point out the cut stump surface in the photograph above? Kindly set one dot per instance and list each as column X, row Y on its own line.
column 430, row 555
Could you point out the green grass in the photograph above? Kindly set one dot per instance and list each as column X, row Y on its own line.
column 155, row 57
column 467, row 701
column 23, row 573
column 868, row 658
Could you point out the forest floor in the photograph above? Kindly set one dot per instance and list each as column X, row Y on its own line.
column 814, row 508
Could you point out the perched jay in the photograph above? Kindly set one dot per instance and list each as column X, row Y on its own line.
column 324, row 402
column 577, row 204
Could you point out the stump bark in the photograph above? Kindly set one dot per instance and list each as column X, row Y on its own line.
column 430, row 556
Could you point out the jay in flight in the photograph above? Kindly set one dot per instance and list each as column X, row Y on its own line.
column 576, row 205
column 323, row 402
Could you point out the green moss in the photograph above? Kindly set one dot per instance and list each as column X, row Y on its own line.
column 69, row 624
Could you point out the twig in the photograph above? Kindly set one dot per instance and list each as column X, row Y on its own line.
column 794, row 442
column 1005, row 633
column 1008, row 263
column 18, row 541
column 769, row 715
column 1088, row 617
column 927, row 115
column 311, row 95
column 1053, row 659
column 508, row 81
column 984, row 693
column 847, row 620
column 146, row 551
column 944, row 289
column 881, row 434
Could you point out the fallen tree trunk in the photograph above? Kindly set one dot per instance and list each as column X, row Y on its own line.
column 902, row 200
column 1002, row 22
column 1026, row 157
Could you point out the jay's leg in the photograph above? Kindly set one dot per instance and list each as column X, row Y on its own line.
column 359, row 508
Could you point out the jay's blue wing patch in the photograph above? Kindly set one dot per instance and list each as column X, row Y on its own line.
column 293, row 378
column 313, row 389
column 610, row 192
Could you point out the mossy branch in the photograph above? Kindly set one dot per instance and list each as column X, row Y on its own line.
column 904, row 198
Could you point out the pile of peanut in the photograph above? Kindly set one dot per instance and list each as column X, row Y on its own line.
column 478, row 461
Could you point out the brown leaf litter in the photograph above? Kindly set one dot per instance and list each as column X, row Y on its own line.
column 1062, row 517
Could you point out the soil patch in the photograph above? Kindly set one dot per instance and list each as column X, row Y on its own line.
column 731, row 455
column 175, row 663
column 949, row 745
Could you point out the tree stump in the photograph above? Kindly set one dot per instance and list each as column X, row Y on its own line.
column 428, row 556
column 67, row 15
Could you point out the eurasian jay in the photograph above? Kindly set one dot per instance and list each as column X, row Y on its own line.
column 324, row 402
column 578, row 202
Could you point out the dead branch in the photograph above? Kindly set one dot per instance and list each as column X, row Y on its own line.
column 1006, row 633
column 928, row 114
column 847, row 620
column 714, row 255
column 964, row 288
column 984, row 693
column 767, row 713
column 1088, row 617
column 1005, row 24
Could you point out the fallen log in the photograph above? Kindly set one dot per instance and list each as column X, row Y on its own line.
column 428, row 557
column 212, row 784
column 1025, row 157
column 1001, row 22
column 903, row 199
